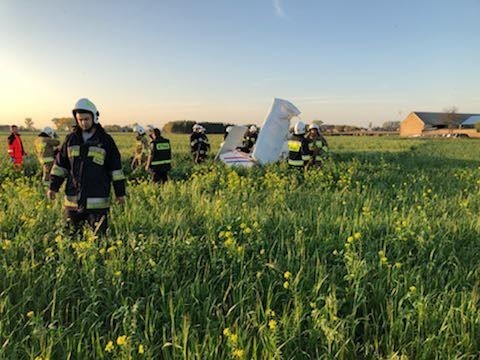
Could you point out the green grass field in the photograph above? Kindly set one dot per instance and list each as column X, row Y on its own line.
column 374, row 256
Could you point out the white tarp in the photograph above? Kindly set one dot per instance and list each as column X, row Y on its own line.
column 271, row 144
column 237, row 158
column 233, row 140
column 274, row 132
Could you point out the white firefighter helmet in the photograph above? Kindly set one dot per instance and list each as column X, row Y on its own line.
column 313, row 126
column 197, row 128
column 49, row 131
column 299, row 128
column 86, row 105
column 139, row 129
column 253, row 129
column 202, row 129
column 150, row 128
column 228, row 129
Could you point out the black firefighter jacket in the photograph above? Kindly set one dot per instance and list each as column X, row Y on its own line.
column 89, row 168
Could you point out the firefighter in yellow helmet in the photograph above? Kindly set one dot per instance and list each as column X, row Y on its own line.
column 317, row 146
column 46, row 147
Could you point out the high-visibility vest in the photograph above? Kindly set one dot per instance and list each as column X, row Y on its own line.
column 161, row 154
column 317, row 144
column 45, row 149
column 297, row 152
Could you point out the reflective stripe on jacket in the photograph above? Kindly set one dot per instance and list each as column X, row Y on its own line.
column 45, row 148
column 90, row 168
column 161, row 153
column 297, row 151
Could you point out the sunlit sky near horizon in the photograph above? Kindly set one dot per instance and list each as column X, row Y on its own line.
column 343, row 62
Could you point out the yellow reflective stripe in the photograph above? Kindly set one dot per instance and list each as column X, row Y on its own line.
column 295, row 162
column 160, row 162
column 98, row 203
column 59, row 171
column 97, row 153
column 163, row 146
column 47, row 159
column 70, row 201
column 294, row 145
column 117, row 175
column 305, row 157
column 73, row 151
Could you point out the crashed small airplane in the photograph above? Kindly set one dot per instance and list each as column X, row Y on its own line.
column 271, row 139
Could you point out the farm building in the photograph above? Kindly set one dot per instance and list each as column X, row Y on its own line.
column 430, row 123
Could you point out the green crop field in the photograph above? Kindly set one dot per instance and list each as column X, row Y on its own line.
column 376, row 255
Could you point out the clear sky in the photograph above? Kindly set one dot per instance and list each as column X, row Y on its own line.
column 343, row 61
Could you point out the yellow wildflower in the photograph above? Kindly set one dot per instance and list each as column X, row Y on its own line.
column 111, row 249
column 262, row 252
column 122, row 340
column 270, row 313
column 240, row 249
column 117, row 273
column 102, row 251
column 286, row 284
column 234, row 338
column 109, row 347
column 238, row 353
column 229, row 242
column 272, row 324
column 6, row 244
column 226, row 332
column 30, row 314
column 247, row 230
column 141, row 349
column 287, row 275
column 350, row 239
column 412, row 289
column 357, row 236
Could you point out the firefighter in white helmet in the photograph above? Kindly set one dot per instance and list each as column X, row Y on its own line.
column 141, row 147
column 317, row 146
column 298, row 155
column 249, row 139
column 90, row 162
column 199, row 145
column 46, row 147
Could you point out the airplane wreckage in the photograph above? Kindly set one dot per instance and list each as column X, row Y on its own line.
column 271, row 144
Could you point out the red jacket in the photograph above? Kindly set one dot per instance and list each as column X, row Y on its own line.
column 15, row 148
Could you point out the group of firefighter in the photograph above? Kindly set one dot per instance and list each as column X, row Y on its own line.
column 89, row 162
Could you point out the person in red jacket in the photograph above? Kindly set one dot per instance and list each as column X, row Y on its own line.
column 15, row 147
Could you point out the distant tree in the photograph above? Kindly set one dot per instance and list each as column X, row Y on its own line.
column 29, row 124
column 449, row 117
column 370, row 126
column 179, row 126
column 64, row 124
column 185, row 127
column 391, row 125
column 117, row 128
